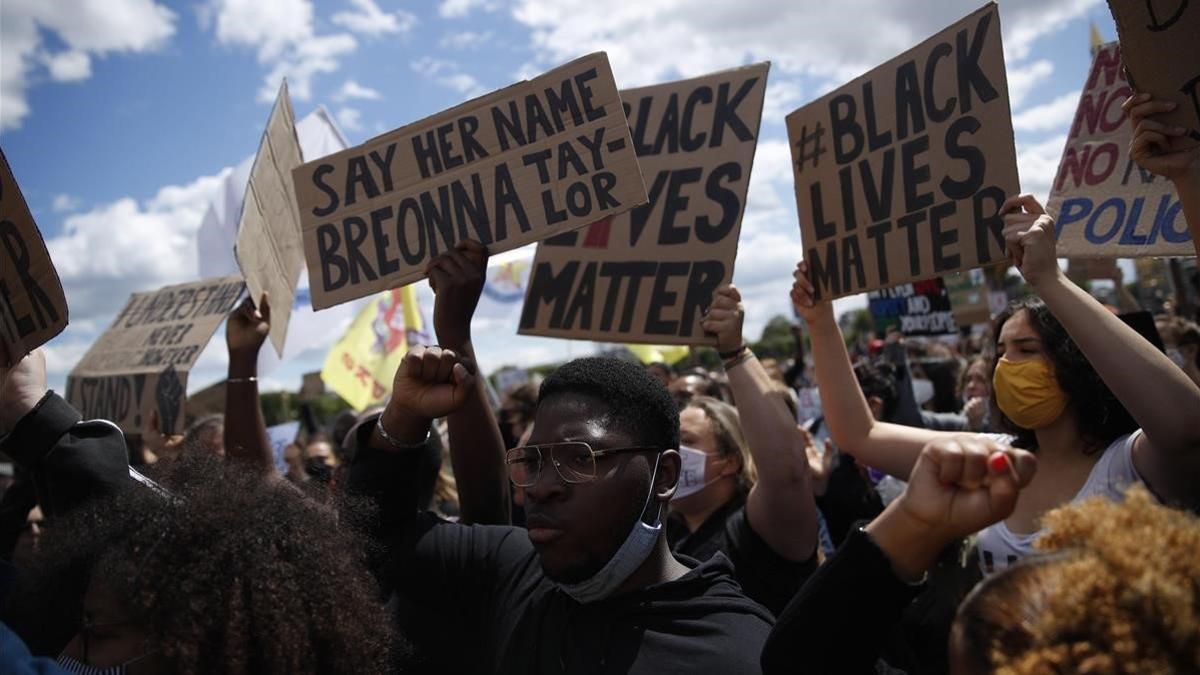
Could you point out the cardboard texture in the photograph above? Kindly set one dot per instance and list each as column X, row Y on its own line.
column 1162, row 57
column 899, row 174
column 1104, row 205
column 140, row 364
column 515, row 166
column 968, row 293
column 33, row 308
column 268, row 248
column 646, row 276
column 919, row 308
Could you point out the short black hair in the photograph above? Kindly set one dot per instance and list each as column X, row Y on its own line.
column 637, row 401
column 878, row 378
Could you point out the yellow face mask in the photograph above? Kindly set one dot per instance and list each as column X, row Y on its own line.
column 1027, row 392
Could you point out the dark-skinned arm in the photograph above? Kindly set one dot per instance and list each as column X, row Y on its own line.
column 476, row 446
column 246, row 439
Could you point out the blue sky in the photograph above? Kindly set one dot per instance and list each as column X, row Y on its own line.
column 121, row 117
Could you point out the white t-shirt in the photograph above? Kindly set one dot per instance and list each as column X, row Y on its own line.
column 1113, row 473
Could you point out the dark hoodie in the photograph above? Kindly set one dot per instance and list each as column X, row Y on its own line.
column 473, row 599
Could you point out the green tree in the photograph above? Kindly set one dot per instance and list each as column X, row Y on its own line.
column 776, row 341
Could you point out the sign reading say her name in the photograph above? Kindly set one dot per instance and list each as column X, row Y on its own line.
column 141, row 362
column 919, row 308
column 33, row 308
column 513, row 167
column 646, row 276
column 1104, row 204
column 900, row 173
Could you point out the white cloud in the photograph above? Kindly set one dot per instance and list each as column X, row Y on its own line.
column 63, row 203
column 457, row 9
column 652, row 41
column 68, row 66
column 1023, row 79
column 86, row 28
column 467, row 39
column 783, row 96
column 351, row 90
column 350, row 119
column 448, row 74
column 282, row 32
column 1037, row 164
column 370, row 20
column 1056, row 114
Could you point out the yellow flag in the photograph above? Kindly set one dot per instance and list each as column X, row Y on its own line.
column 658, row 353
column 360, row 367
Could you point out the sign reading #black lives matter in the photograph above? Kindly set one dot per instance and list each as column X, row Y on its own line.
column 900, row 173
column 518, row 165
column 140, row 364
column 646, row 276
column 33, row 308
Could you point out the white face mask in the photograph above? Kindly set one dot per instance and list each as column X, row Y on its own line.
column 922, row 390
column 633, row 552
column 692, row 472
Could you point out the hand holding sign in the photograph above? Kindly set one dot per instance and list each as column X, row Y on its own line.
column 813, row 312
column 247, row 327
column 1151, row 144
column 1029, row 235
column 457, row 278
column 21, row 387
column 724, row 319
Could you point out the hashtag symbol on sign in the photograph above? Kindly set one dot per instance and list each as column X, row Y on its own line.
column 803, row 144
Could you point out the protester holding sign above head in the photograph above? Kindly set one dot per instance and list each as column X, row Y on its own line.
column 1152, row 149
column 1062, row 384
column 591, row 585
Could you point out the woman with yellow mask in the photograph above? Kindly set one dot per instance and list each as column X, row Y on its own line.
column 1100, row 406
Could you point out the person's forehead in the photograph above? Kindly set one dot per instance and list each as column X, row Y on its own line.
column 1018, row 326
column 577, row 418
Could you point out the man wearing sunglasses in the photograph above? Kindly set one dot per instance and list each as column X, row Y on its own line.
column 592, row 585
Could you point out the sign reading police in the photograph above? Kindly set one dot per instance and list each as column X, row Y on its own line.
column 33, row 308
column 1104, row 204
column 647, row 276
column 900, row 173
column 518, row 165
column 141, row 362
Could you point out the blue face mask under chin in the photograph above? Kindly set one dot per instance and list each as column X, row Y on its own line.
column 633, row 552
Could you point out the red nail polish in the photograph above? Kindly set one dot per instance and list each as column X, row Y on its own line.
column 998, row 462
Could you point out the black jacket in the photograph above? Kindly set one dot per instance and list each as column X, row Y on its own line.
column 473, row 599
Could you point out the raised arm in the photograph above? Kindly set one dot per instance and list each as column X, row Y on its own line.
column 246, row 439
column 1159, row 395
column 1151, row 149
column 888, row 447
column 781, row 507
column 476, row 446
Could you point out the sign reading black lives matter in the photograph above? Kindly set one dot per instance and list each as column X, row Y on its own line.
column 515, row 166
column 140, row 364
column 647, row 275
column 33, row 308
column 919, row 308
column 900, row 173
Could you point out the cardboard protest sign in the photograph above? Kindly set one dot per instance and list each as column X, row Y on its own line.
column 520, row 164
column 140, row 364
column 268, row 248
column 646, row 276
column 1104, row 205
column 1158, row 42
column 968, row 293
column 899, row 174
column 33, row 308
column 281, row 436
column 919, row 308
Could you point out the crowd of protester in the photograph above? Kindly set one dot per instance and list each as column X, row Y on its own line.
column 1021, row 500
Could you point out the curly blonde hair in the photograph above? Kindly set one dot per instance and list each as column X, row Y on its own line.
column 1117, row 592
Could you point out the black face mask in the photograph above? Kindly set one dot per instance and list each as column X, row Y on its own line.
column 318, row 470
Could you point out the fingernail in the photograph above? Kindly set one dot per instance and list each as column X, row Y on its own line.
column 998, row 462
